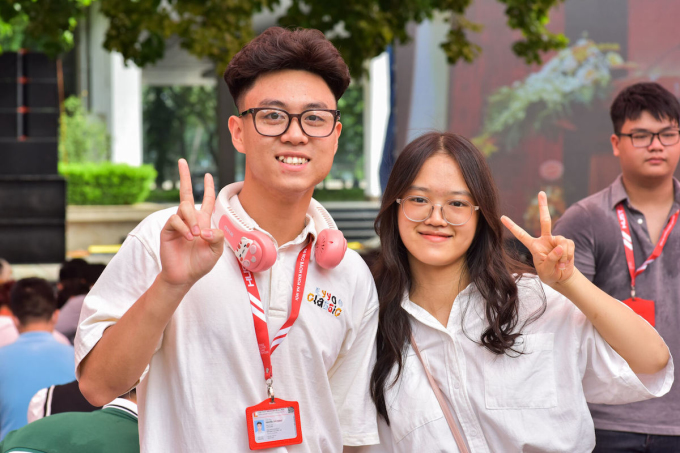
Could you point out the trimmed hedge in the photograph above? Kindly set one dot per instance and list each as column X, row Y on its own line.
column 106, row 183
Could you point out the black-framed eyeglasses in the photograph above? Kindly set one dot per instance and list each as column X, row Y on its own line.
column 643, row 139
column 272, row 122
column 417, row 208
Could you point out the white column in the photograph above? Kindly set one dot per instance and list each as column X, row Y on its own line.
column 115, row 94
column 376, row 115
column 126, row 112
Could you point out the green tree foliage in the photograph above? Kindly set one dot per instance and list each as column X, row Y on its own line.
column 180, row 121
column 350, row 155
column 45, row 25
column 217, row 29
column 83, row 137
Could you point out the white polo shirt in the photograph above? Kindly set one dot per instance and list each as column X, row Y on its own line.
column 207, row 369
column 533, row 402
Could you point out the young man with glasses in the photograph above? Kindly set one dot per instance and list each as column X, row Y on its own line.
column 175, row 311
column 628, row 244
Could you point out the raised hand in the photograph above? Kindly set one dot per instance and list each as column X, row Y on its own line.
column 189, row 247
column 553, row 255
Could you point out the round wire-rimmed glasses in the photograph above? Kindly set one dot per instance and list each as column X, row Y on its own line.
column 643, row 139
column 271, row 122
column 417, row 208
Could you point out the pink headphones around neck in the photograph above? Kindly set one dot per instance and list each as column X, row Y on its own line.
column 256, row 251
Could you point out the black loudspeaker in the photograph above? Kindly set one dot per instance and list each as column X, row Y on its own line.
column 28, row 158
column 32, row 224
column 32, row 194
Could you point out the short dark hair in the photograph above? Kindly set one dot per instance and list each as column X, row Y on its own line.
column 73, row 269
column 5, row 290
column 277, row 49
column 73, row 280
column 32, row 299
column 644, row 97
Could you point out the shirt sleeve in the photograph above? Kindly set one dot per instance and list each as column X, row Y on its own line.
column 575, row 224
column 606, row 376
column 129, row 274
column 350, row 375
column 36, row 407
column 386, row 444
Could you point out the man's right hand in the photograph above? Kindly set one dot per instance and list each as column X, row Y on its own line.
column 189, row 247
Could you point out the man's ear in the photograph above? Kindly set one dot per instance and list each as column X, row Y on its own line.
column 615, row 140
column 55, row 317
column 236, row 130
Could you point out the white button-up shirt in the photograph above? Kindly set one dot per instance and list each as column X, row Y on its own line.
column 533, row 402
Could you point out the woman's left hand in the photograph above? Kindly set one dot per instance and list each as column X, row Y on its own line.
column 553, row 255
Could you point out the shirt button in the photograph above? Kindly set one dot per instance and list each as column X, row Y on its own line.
column 640, row 221
column 456, row 385
column 473, row 432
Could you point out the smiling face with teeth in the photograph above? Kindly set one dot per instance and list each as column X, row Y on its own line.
column 290, row 165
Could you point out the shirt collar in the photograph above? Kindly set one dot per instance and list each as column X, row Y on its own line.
column 124, row 405
column 618, row 193
column 310, row 227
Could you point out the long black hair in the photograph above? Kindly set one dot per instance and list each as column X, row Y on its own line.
column 487, row 265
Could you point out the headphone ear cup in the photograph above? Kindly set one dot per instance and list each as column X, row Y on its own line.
column 330, row 248
column 265, row 256
column 259, row 256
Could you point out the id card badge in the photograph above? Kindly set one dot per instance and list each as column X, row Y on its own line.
column 642, row 307
column 273, row 424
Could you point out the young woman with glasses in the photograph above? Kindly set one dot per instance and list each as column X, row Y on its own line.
column 515, row 353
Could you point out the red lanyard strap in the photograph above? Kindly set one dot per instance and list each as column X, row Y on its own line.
column 259, row 319
column 628, row 244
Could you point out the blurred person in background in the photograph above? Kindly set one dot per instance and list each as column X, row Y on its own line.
column 8, row 329
column 35, row 360
column 111, row 429
column 5, row 271
column 628, row 244
column 57, row 399
column 73, row 286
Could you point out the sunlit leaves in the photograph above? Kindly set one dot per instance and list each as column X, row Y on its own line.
column 46, row 25
column 217, row 29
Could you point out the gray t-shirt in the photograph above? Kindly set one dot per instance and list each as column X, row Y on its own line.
column 592, row 224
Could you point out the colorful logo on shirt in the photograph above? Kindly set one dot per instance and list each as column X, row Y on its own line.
column 326, row 301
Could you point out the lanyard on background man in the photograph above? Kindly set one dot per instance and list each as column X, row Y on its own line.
column 644, row 308
column 274, row 422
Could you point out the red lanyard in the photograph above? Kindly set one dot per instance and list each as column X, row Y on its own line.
column 259, row 319
column 628, row 245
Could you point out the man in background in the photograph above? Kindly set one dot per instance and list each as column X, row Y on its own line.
column 35, row 360
column 628, row 244
column 57, row 399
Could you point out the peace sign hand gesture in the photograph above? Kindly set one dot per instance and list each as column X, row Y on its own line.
column 553, row 255
column 189, row 247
